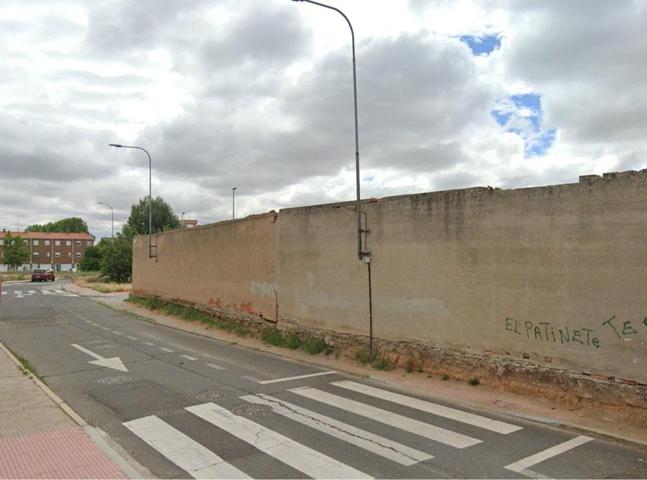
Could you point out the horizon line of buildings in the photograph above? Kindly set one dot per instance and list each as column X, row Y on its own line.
column 56, row 251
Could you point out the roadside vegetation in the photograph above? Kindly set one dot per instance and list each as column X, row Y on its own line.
column 271, row 335
column 295, row 341
column 190, row 314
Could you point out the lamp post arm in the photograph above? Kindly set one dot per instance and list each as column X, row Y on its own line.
column 361, row 253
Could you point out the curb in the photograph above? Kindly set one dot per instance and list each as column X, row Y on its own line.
column 126, row 463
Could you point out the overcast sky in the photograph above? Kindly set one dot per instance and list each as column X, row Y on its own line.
column 257, row 94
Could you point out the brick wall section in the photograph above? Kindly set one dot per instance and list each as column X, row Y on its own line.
column 551, row 275
column 228, row 265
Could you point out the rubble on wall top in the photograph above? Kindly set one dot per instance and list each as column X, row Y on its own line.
column 612, row 176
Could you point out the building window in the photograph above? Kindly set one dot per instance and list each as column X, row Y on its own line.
column 1, row 241
column 88, row 243
column 68, row 243
column 57, row 243
column 36, row 254
column 34, row 243
column 78, row 254
column 78, row 243
column 48, row 254
column 57, row 254
column 47, row 243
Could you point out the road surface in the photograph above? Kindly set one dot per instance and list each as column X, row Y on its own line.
column 186, row 406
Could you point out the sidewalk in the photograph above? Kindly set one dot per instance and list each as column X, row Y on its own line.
column 37, row 438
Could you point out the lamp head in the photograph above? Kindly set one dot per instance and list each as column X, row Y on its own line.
column 115, row 145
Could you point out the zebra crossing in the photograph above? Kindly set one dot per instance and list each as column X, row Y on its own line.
column 204, row 461
column 43, row 291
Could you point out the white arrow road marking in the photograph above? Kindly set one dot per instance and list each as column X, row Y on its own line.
column 115, row 362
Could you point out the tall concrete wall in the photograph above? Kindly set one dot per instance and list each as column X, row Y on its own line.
column 228, row 265
column 556, row 274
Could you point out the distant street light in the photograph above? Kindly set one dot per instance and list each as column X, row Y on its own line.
column 150, row 194
column 182, row 217
column 362, row 255
column 112, row 218
column 233, row 202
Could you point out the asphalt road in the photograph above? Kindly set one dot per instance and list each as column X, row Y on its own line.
column 187, row 406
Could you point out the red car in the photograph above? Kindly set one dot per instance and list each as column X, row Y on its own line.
column 42, row 276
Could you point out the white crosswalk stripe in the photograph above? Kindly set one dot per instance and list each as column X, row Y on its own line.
column 44, row 291
column 429, row 407
column 290, row 452
column 361, row 438
column 199, row 461
column 437, row 434
column 189, row 455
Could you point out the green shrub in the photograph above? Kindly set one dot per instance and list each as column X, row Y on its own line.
column 382, row 363
column 474, row 381
column 273, row 336
column 363, row 356
column 315, row 345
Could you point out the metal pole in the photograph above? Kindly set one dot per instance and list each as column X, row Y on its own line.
column 233, row 202
column 150, row 194
column 361, row 254
column 112, row 218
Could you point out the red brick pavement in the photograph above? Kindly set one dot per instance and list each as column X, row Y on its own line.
column 64, row 453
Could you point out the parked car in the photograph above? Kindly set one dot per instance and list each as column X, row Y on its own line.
column 42, row 276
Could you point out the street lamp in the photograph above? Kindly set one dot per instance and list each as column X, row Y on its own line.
column 362, row 255
column 150, row 194
column 233, row 202
column 112, row 218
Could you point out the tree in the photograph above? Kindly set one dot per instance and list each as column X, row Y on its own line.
column 163, row 216
column 93, row 255
column 15, row 252
column 91, row 260
column 65, row 225
column 117, row 260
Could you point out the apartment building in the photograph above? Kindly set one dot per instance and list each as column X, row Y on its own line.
column 56, row 251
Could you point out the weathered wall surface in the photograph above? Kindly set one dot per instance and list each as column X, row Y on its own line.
column 229, row 265
column 555, row 273
column 552, row 274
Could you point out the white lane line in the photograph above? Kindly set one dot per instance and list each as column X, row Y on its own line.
column 294, row 454
column 524, row 464
column 167, row 350
column 188, row 357
column 361, row 438
column 150, row 344
column 4, row 293
column 117, row 332
column 217, row 367
column 31, row 292
column 105, row 328
column 46, row 291
column 189, row 455
column 249, row 377
column 298, row 377
column 131, row 338
column 438, row 434
column 429, row 407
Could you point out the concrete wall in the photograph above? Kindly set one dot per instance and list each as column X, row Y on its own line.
column 556, row 274
column 228, row 265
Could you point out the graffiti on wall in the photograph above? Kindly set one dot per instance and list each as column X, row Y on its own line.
column 569, row 335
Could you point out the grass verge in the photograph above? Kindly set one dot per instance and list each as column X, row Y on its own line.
column 27, row 368
column 189, row 314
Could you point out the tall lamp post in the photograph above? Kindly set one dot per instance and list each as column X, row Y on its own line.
column 112, row 218
column 233, row 202
column 361, row 254
column 150, row 193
